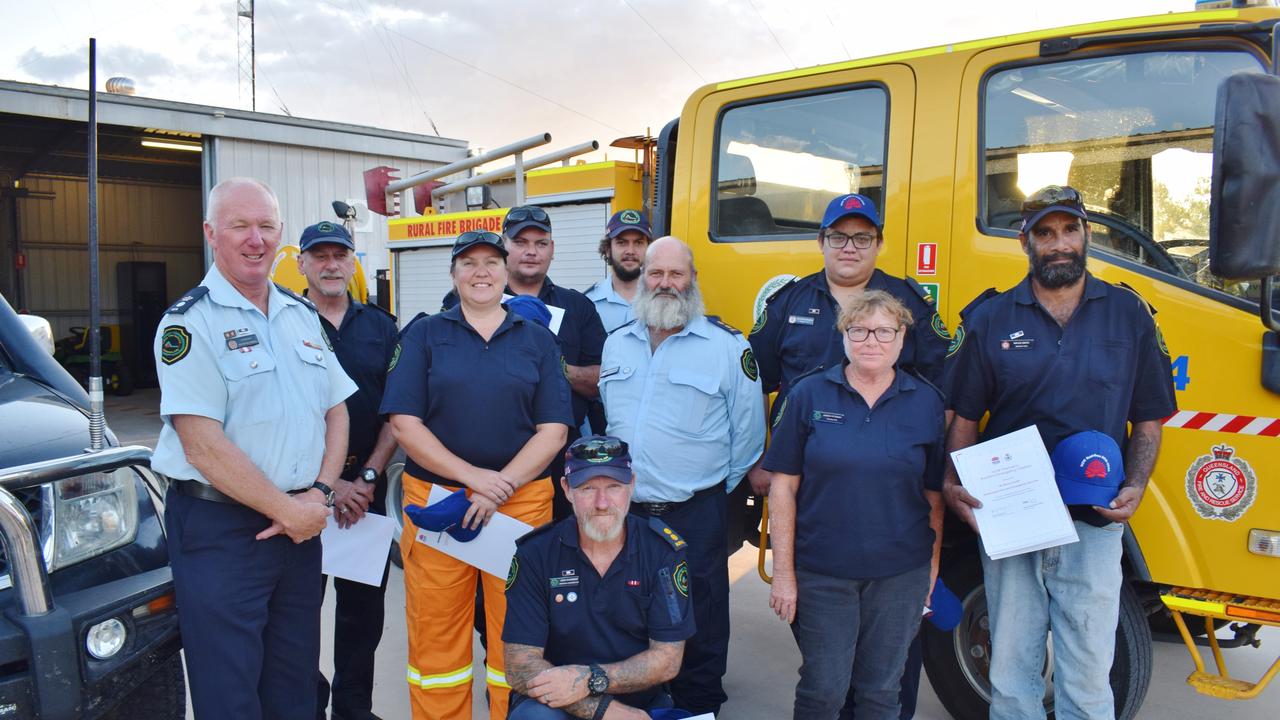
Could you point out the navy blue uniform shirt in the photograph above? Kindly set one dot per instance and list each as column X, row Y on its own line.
column 364, row 344
column 797, row 331
column 861, row 511
column 482, row 400
column 1106, row 368
column 581, row 332
column 558, row 602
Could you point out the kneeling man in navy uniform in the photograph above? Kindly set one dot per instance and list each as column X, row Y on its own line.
column 597, row 604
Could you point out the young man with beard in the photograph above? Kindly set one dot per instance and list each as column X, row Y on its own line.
column 1066, row 352
column 684, row 390
column 622, row 248
column 597, row 604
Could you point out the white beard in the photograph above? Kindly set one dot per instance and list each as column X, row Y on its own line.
column 663, row 312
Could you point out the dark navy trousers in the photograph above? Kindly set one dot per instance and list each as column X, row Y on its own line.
column 698, row 687
column 248, row 611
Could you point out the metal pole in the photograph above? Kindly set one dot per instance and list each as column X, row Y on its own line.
column 253, row 58
column 507, row 171
column 519, row 175
column 97, row 423
column 515, row 147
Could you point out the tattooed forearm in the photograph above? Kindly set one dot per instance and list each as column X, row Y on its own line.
column 647, row 669
column 522, row 662
column 1140, row 459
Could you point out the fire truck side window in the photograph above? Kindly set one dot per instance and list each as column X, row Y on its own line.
column 780, row 162
column 1133, row 133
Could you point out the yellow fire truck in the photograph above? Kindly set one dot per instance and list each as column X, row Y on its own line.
column 948, row 140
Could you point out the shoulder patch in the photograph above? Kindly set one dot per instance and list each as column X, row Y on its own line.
column 983, row 296
column 395, row 358
column 768, row 291
column 680, row 578
column 749, row 366
column 956, row 341
column 188, row 300
column 939, row 327
column 918, row 289
column 666, row 533
column 296, row 296
column 512, row 572
column 1150, row 308
column 782, row 409
column 715, row 320
column 175, row 344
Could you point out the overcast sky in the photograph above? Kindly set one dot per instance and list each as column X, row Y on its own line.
column 493, row 71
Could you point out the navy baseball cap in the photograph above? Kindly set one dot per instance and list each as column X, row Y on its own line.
column 625, row 220
column 444, row 516
column 1088, row 468
column 472, row 238
column 851, row 204
column 325, row 232
column 596, row 456
column 524, row 217
column 1052, row 199
column 530, row 308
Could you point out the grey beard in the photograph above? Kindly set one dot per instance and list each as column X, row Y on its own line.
column 598, row 534
column 665, row 313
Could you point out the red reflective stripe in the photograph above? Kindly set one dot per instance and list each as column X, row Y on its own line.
column 1272, row 430
column 1199, row 420
column 1237, row 424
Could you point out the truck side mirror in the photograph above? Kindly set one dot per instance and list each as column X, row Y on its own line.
column 1244, row 210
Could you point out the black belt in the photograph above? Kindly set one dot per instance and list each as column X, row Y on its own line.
column 205, row 491
column 658, row 509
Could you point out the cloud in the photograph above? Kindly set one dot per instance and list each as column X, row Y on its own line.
column 56, row 68
column 72, row 66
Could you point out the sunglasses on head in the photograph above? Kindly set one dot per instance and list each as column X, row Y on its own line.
column 1052, row 195
column 525, row 212
column 599, row 450
column 472, row 237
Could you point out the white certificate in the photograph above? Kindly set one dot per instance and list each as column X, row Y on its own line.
column 1022, row 510
column 353, row 553
column 490, row 551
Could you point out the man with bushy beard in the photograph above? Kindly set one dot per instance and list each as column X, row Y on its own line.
column 683, row 389
column 1066, row 352
column 597, row 604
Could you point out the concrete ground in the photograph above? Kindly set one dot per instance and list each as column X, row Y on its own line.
column 763, row 660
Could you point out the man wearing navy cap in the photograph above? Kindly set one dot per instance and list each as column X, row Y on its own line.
column 598, row 604
column 1066, row 352
column 363, row 337
column 795, row 333
column 622, row 248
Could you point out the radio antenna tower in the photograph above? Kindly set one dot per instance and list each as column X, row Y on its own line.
column 248, row 68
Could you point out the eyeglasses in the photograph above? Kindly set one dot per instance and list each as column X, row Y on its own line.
column 857, row 333
column 1052, row 195
column 599, row 449
column 471, row 237
column 838, row 240
column 525, row 212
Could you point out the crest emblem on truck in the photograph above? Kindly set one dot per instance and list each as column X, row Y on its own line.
column 1221, row 486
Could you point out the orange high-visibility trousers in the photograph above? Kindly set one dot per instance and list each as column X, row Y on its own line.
column 440, row 600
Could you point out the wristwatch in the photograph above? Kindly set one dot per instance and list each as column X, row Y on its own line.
column 369, row 475
column 328, row 492
column 598, row 684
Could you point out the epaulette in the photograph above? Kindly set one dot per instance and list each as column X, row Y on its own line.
column 628, row 323
column 592, row 287
column 300, row 298
column 1150, row 308
column 534, row 533
column 188, row 300
column 409, row 324
column 664, row 530
column 919, row 290
column 794, row 279
column 984, row 296
column 715, row 320
column 382, row 310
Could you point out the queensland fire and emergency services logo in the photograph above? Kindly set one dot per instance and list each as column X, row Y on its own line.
column 1220, row 486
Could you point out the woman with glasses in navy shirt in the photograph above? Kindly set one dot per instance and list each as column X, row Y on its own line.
column 855, row 514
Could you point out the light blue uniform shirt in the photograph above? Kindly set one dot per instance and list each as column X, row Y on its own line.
column 614, row 310
column 268, row 379
column 691, row 411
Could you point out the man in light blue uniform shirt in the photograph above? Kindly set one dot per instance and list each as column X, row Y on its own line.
column 622, row 248
column 254, row 438
column 683, row 390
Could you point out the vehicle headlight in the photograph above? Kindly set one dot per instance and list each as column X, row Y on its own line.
column 91, row 514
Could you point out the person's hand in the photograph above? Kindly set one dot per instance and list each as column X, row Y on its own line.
column 481, row 510
column 560, row 686
column 961, row 502
column 759, row 479
column 933, row 581
column 782, row 597
column 303, row 521
column 490, row 483
column 1123, row 507
column 366, row 489
column 349, row 504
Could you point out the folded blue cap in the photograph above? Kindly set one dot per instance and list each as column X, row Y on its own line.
column 945, row 606
column 1089, row 468
column 444, row 516
column 851, row 204
column 530, row 308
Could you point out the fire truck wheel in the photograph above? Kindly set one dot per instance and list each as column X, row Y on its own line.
column 395, row 501
column 958, row 662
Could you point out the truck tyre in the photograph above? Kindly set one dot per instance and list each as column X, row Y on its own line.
column 958, row 662
column 394, row 503
column 163, row 696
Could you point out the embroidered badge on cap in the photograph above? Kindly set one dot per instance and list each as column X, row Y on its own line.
column 175, row 343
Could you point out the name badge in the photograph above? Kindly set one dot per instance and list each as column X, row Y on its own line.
column 567, row 578
column 1019, row 344
column 240, row 339
column 823, row 416
column 799, row 320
